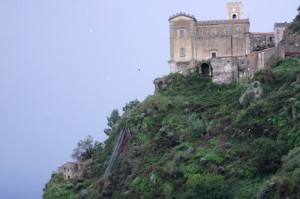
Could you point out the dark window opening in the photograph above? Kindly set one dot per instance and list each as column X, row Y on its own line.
column 271, row 39
column 182, row 52
column 213, row 54
column 181, row 33
column 234, row 16
column 205, row 69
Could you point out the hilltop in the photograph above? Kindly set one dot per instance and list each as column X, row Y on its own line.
column 197, row 139
column 194, row 139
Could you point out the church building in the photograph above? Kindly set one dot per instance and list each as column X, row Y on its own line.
column 224, row 49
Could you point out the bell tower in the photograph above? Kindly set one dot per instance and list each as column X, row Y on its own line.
column 234, row 10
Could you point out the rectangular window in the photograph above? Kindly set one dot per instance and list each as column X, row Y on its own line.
column 181, row 33
column 213, row 54
column 182, row 52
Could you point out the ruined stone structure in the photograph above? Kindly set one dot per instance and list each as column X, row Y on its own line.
column 279, row 29
column 72, row 170
column 223, row 49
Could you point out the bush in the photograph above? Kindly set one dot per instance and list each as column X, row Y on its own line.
column 195, row 126
column 207, row 186
column 265, row 76
column 288, row 185
column 144, row 187
column 291, row 161
column 266, row 155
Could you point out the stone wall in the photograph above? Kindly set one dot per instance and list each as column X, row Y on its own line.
column 279, row 29
column 266, row 55
column 290, row 43
column 227, row 69
column 251, row 60
column 259, row 41
column 259, row 60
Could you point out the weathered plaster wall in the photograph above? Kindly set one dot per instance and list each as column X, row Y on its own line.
column 228, row 69
column 265, row 55
column 182, row 39
column 223, row 37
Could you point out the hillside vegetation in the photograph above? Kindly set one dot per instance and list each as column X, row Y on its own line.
column 194, row 139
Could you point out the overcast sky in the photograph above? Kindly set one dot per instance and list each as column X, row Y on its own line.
column 66, row 64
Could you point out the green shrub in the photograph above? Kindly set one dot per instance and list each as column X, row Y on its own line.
column 56, row 188
column 168, row 189
column 288, row 185
column 195, row 126
column 291, row 161
column 246, row 189
column 266, row 155
column 281, row 119
column 144, row 187
column 207, row 186
column 191, row 169
column 214, row 155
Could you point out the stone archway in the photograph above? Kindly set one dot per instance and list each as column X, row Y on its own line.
column 205, row 69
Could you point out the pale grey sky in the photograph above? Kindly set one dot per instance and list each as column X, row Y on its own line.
column 66, row 64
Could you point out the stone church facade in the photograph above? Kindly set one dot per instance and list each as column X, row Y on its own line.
column 224, row 49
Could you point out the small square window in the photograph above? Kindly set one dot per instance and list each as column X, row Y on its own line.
column 213, row 54
column 181, row 33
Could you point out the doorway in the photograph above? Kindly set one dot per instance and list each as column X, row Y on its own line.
column 205, row 69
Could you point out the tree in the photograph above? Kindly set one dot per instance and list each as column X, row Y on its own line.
column 114, row 117
column 130, row 105
column 112, row 121
column 84, row 148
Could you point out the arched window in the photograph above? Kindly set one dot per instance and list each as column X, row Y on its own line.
column 234, row 16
